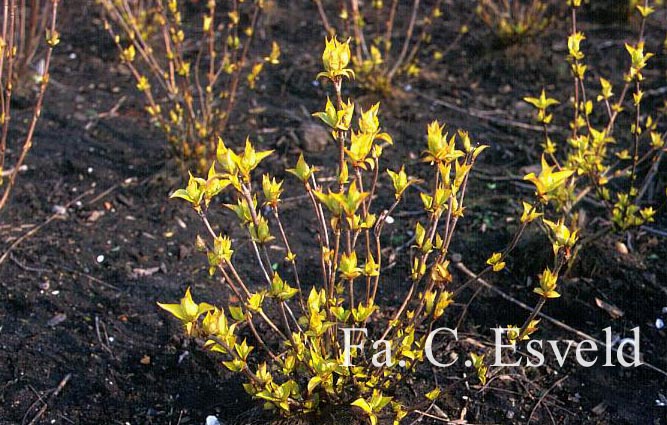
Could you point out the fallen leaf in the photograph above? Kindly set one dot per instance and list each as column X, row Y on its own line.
column 139, row 272
column 622, row 248
column 56, row 320
column 612, row 310
column 600, row 408
column 95, row 215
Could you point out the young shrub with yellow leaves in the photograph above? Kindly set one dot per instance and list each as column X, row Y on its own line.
column 599, row 151
column 23, row 29
column 189, row 75
column 307, row 359
column 513, row 20
column 383, row 48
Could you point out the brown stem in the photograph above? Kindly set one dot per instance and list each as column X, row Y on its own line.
column 27, row 143
column 6, row 91
column 389, row 32
column 360, row 42
column 295, row 270
column 406, row 43
column 236, row 77
column 323, row 17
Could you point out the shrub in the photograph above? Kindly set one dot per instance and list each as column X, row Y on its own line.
column 513, row 20
column 304, row 365
column 22, row 29
column 602, row 148
column 189, row 76
column 383, row 49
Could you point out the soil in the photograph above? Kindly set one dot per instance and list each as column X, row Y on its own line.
column 77, row 303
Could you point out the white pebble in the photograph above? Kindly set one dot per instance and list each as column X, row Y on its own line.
column 100, row 259
column 212, row 420
column 60, row 210
column 659, row 323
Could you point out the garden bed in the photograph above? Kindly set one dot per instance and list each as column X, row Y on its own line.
column 78, row 305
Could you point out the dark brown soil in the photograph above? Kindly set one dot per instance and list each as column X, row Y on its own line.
column 78, row 299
